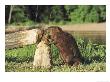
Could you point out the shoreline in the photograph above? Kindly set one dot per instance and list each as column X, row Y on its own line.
column 73, row 27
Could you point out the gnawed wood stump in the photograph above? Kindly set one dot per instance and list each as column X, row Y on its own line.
column 21, row 38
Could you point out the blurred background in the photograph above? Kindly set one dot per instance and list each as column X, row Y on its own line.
column 54, row 14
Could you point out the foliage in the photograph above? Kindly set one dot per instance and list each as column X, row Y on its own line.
column 25, row 23
column 92, row 52
column 56, row 13
column 18, row 14
column 88, row 14
column 55, row 55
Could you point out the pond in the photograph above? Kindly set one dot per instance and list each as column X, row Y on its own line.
column 98, row 37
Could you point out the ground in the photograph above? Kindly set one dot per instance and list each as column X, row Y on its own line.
column 27, row 67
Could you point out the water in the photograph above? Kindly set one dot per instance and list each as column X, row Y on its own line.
column 94, row 36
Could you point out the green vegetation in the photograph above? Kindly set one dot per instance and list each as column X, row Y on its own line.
column 54, row 14
column 27, row 67
column 23, row 54
column 20, row 59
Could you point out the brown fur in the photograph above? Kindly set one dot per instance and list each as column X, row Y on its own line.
column 40, row 35
column 67, row 45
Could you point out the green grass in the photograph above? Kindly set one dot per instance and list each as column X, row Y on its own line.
column 20, row 59
column 24, row 54
column 27, row 67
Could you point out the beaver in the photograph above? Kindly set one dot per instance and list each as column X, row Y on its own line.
column 66, row 44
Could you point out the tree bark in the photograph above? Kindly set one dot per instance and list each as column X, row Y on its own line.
column 37, row 12
column 10, row 13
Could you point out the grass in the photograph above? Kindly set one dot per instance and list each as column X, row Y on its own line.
column 27, row 67
column 20, row 59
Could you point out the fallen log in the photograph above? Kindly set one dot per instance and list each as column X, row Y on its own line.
column 21, row 38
